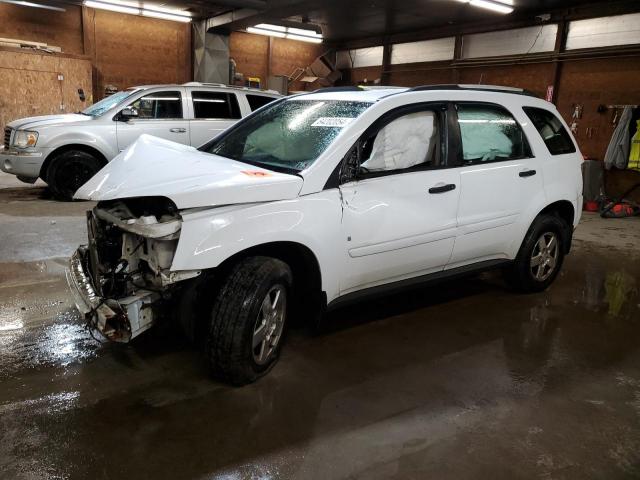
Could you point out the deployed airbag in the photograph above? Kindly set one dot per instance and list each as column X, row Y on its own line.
column 403, row 143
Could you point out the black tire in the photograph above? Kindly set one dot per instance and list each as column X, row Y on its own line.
column 69, row 171
column 522, row 275
column 235, row 319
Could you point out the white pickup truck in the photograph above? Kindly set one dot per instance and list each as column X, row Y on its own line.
column 321, row 199
column 67, row 150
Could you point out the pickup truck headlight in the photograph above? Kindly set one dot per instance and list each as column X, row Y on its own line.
column 25, row 139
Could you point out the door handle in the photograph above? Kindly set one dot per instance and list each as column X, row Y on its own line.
column 178, row 130
column 527, row 173
column 443, row 188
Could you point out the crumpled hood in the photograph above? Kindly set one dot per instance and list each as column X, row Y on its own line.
column 47, row 121
column 152, row 166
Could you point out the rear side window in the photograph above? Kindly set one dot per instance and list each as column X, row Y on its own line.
column 490, row 134
column 218, row 105
column 159, row 105
column 555, row 136
column 257, row 101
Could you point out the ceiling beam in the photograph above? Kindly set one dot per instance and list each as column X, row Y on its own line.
column 515, row 20
column 276, row 10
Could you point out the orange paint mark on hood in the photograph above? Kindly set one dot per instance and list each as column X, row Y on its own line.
column 256, row 173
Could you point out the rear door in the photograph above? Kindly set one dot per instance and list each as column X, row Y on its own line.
column 213, row 112
column 160, row 114
column 499, row 179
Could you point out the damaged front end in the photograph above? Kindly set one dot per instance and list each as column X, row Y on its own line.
column 121, row 279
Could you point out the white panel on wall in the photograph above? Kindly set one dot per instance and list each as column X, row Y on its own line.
column 510, row 42
column 604, row 31
column 424, row 51
column 360, row 57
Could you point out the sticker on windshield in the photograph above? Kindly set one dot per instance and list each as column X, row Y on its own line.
column 332, row 122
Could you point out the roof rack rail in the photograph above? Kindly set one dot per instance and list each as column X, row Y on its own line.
column 201, row 84
column 485, row 88
column 222, row 85
column 338, row 89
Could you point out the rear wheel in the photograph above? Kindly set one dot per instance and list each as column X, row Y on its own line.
column 69, row 171
column 248, row 320
column 540, row 256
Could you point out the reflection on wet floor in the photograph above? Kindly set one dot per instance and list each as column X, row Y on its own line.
column 461, row 380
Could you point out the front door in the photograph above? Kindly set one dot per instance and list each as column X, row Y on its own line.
column 499, row 177
column 399, row 215
column 159, row 114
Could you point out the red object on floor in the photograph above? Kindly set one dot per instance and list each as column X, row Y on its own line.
column 591, row 206
column 622, row 210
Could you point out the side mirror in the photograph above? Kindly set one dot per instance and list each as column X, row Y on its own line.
column 127, row 113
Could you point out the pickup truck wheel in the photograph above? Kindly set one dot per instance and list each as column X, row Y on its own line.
column 69, row 171
column 540, row 256
column 248, row 320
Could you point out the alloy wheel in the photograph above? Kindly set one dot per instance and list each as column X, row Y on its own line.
column 544, row 256
column 269, row 324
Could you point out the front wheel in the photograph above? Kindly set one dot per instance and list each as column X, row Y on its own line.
column 248, row 320
column 69, row 171
column 540, row 256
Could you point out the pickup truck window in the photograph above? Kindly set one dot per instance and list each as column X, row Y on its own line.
column 257, row 101
column 219, row 105
column 108, row 103
column 288, row 136
column 159, row 105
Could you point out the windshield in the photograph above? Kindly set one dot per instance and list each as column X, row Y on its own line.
column 107, row 103
column 288, row 136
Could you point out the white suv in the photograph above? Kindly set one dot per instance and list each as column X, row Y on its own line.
column 320, row 199
column 67, row 150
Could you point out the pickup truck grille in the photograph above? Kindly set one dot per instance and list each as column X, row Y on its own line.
column 7, row 137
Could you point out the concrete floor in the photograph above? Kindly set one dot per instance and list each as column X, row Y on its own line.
column 462, row 380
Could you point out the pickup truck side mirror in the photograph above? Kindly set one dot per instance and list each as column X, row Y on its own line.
column 127, row 113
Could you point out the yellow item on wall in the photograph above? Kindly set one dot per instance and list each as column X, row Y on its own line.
column 634, row 154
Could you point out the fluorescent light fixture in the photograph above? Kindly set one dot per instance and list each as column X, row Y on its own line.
column 112, row 7
column 500, row 6
column 135, row 8
column 34, row 5
column 165, row 16
column 268, row 26
column 290, row 33
column 303, row 38
column 260, row 31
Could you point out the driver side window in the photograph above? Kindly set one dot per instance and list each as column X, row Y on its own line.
column 159, row 105
column 410, row 141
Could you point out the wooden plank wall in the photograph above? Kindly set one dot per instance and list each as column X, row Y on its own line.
column 63, row 29
column 253, row 59
column 29, row 84
column 129, row 50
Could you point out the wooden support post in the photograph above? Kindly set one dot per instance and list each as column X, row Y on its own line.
column 89, row 49
column 561, row 38
column 385, row 75
column 457, row 55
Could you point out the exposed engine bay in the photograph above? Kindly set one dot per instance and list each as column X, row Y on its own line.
column 126, row 264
